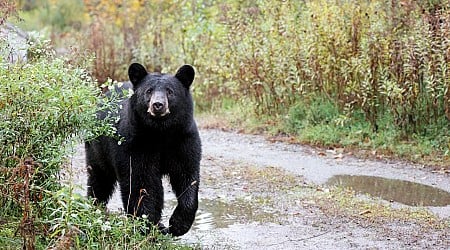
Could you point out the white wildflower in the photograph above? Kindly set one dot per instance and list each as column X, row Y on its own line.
column 106, row 226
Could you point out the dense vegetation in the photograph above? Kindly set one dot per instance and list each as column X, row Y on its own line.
column 47, row 104
column 370, row 74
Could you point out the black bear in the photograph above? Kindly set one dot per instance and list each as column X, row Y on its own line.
column 156, row 136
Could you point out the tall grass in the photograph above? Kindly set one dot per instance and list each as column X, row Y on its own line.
column 377, row 59
column 360, row 56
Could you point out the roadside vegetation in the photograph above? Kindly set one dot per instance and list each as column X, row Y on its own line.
column 371, row 75
column 46, row 105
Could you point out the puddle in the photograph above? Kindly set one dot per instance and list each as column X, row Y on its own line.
column 217, row 213
column 405, row 192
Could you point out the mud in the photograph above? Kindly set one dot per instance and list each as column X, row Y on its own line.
column 256, row 194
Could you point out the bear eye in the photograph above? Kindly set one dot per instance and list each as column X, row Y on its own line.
column 169, row 91
column 149, row 91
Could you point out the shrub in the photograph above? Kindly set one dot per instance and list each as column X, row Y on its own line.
column 46, row 105
column 43, row 106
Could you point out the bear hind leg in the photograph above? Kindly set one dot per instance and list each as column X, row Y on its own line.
column 101, row 185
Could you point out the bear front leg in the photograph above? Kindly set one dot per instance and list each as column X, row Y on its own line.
column 143, row 195
column 186, row 191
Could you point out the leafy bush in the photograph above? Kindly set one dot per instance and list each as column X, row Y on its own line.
column 46, row 105
column 43, row 105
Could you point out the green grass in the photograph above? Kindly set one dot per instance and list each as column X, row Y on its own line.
column 76, row 222
column 319, row 122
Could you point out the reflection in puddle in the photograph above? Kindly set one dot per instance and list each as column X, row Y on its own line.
column 405, row 192
column 221, row 214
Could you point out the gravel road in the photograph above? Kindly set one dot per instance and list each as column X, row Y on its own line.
column 256, row 193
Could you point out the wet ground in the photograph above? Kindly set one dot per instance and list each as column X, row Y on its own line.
column 256, row 194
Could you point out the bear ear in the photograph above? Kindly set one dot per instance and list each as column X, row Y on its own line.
column 136, row 72
column 185, row 75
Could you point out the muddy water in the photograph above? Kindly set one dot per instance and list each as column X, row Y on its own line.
column 217, row 213
column 405, row 192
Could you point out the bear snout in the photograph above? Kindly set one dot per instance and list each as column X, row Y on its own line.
column 158, row 109
column 158, row 106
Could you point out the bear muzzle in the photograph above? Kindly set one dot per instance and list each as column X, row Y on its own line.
column 158, row 105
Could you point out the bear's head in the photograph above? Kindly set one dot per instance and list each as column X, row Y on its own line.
column 161, row 97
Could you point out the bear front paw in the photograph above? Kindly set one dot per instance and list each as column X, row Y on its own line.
column 178, row 227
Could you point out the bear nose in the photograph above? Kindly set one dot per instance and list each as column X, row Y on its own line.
column 158, row 106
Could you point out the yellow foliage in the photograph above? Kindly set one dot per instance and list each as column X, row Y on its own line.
column 119, row 12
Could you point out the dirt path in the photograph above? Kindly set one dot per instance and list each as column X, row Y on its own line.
column 261, row 195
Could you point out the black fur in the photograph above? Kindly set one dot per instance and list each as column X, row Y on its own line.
column 153, row 146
